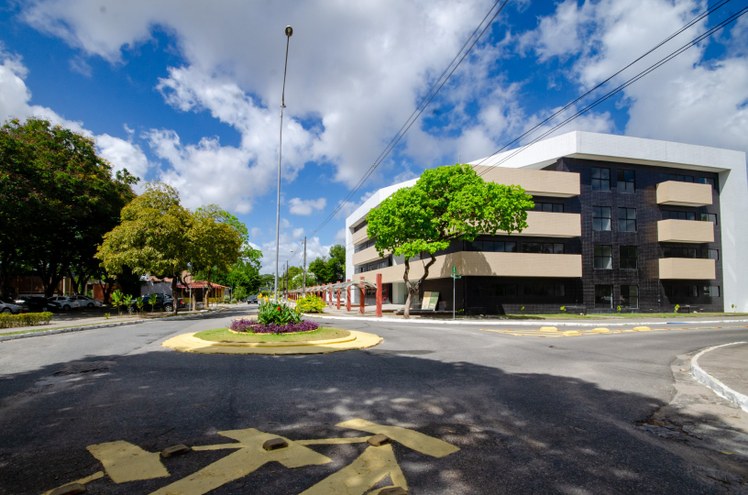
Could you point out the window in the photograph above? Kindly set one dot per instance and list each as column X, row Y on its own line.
column 493, row 246
column 626, row 181
column 604, row 296
column 628, row 257
column 678, row 215
column 712, row 254
column 366, row 244
column 543, row 247
column 711, row 290
column 630, row 296
column 708, row 217
column 679, row 252
column 600, row 179
column 603, row 257
column 601, row 218
column 374, row 265
column 549, row 207
column 360, row 226
column 506, row 290
column 544, row 289
column 626, row 219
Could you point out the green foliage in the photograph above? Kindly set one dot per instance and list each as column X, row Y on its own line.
column 310, row 304
column 676, row 308
column 330, row 269
column 56, row 188
column 139, row 303
column 272, row 313
column 24, row 319
column 118, row 300
column 127, row 302
column 619, row 308
column 445, row 204
column 215, row 239
column 152, row 299
column 563, row 309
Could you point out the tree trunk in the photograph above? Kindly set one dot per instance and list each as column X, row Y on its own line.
column 414, row 288
column 175, row 302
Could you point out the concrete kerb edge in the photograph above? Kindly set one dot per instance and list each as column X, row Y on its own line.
column 531, row 323
column 714, row 384
column 80, row 328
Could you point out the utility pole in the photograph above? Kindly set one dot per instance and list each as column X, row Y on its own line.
column 303, row 278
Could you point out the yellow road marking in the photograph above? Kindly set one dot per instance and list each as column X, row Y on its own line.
column 412, row 439
column 248, row 458
column 358, row 477
column 124, row 461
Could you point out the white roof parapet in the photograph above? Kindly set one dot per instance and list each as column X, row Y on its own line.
column 626, row 149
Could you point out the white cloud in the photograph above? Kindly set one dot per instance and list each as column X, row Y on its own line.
column 122, row 154
column 306, row 207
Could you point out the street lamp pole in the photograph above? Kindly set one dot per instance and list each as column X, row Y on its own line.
column 289, row 33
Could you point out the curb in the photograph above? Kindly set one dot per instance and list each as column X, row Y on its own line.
column 529, row 323
column 713, row 383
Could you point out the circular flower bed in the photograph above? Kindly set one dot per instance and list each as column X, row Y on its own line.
column 251, row 326
column 273, row 317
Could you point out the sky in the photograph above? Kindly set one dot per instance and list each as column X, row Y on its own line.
column 189, row 92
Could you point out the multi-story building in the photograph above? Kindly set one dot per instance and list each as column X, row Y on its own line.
column 619, row 223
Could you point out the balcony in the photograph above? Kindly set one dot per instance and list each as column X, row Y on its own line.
column 687, row 269
column 675, row 193
column 359, row 236
column 545, row 224
column 365, row 256
column 535, row 182
column 488, row 264
column 688, row 231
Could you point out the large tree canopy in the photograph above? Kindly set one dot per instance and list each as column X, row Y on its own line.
column 330, row 269
column 445, row 204
column 58, row 198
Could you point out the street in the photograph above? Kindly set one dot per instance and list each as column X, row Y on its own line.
column 490, row 413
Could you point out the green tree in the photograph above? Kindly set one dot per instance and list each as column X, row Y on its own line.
column 56, row 188
column 244, row 276
column 215, row 238
column 330, row 269
column 151, row 237
column 445, row 204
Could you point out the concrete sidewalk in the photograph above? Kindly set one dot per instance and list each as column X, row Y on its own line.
column 724, row 369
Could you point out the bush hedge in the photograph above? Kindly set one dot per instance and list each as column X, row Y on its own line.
column 24, row 319
column 310, row 304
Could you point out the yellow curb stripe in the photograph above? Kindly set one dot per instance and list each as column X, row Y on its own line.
column 189, row 343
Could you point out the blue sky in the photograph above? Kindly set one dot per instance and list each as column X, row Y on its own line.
column 189, row 92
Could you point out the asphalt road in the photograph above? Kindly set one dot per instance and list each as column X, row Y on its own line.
column 528, row 414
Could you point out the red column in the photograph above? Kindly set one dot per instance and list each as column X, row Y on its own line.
column 362, row 291
column 337, row 301
column 348, row 296
column 379, row 295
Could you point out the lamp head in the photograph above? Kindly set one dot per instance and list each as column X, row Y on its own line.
column 289, row 31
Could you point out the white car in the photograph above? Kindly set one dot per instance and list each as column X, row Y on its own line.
column 6, row 307
column 87, row 302
column 66, row 303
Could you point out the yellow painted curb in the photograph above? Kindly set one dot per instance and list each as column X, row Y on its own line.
column 548, row 329
column 642, row 329
column 189, row 343
column 600, row 330
column 572, row 333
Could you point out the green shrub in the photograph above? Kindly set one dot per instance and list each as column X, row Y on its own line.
column 271, row 313
column 24, row 319
column 310, row 304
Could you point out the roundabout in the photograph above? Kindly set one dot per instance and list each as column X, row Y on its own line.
column 189, row 342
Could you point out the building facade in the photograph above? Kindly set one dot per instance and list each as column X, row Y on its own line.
column 619, row 224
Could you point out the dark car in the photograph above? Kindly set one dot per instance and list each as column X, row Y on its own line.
column 33, row 303
column 163, row 302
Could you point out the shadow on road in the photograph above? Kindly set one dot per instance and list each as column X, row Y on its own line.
column 517, row 433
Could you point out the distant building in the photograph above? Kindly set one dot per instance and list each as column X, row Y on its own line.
column 618, row 221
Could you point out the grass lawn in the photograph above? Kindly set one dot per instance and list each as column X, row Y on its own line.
column 223, row 335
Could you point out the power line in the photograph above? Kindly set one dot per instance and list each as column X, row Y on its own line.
column 466, row 48
column 620, row 87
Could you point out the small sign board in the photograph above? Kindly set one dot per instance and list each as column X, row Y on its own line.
column 430, row 298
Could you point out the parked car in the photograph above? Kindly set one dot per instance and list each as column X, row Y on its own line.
column 64, row 303
column 8, row 307
column 252, row 300
column 163, row 302
column 32, row 303
column 88, row 302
